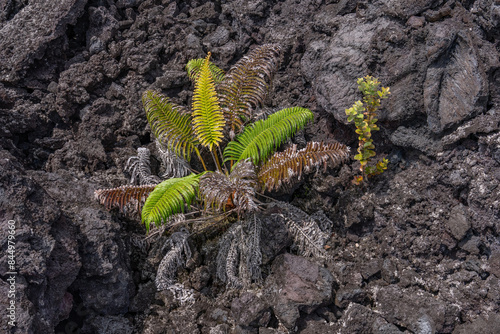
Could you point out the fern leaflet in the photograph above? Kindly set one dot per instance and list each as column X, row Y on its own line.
column 168, row 198
column 236, row 190
column 174, row 166
column 170, row 123
column 139, row 168
column 263, row 137
column 193, row 68
column 124, row 196
column 308, row 237
column 246, row 84
column 179, row 252
column 208, row 120
column 282, row 167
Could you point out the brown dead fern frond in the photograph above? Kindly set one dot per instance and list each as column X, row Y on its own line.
column 215, row 190
column 237, row 190
column 124, row 197
column 246, row 85
column 283, row 167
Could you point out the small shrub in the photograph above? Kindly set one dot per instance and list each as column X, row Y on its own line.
column 364, row 114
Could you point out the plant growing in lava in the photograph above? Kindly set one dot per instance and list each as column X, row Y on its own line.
column 364, row 116
column 235, row 146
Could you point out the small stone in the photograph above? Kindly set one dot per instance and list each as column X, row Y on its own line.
column 472, row 245
column 488, row 325
column 96, row 45
column 349, row 293
column 415, row 22
column 494, row 264
column 298, row 283
column 371, row 269
column 250, row 309
column 389, row 272
column 458, row 224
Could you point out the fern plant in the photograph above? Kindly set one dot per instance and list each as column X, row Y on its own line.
column 238, row 153
column 219, row 125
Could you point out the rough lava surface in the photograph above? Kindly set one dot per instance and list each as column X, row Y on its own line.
column 416, row 251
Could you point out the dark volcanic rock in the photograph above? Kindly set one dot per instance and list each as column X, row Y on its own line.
column 489, row 325
column 458, row 224
column 249, row 310
column 422, row 314
column 297, row 285
column 36, row 33
column 415, row 250
column 46, row 254
column 360, row 319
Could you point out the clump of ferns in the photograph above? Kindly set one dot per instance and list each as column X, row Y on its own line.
column 236, row 147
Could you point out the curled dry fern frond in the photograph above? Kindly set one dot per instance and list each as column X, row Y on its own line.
column 236, row 190
column 179, row 252
column 262, row 138
column 170, row 123
column 168, row 198
column 227, row 261
column 307, row 236
column 208, row 120
column 124, row 197
column 239, row 258
column 173, row 165
column 193, row 68
column 139, row 167
column 244, row 181
column 246, row 85
column 253, row 252
column 284, row 166
column 215, row 190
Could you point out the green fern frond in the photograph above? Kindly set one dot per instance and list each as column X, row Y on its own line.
column 168, row 198
column 246, row 85
column 124, row 196
column 285, row 166
column 193, row 68
column 208, row 120
column 170, row 123
column 262, row 138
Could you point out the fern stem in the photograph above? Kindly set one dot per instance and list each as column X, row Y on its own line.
column 223, row 164
column 216, row 159
column 201, row 159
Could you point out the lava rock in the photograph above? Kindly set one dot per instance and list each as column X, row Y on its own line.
column 458, row 224
column 418, row 311
column 483, row 325
column 38, row 24
column 349, row 293
column 297, row 284
column 360, row 319
column 250, row 310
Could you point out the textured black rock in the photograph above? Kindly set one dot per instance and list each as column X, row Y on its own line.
column 415, row 251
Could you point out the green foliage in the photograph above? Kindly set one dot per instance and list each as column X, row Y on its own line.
column 364, row 116
column 220, row 121
column 170, row 197
column 170, row 123
column 208, row 120
column 263, row 137
column 193, row 68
